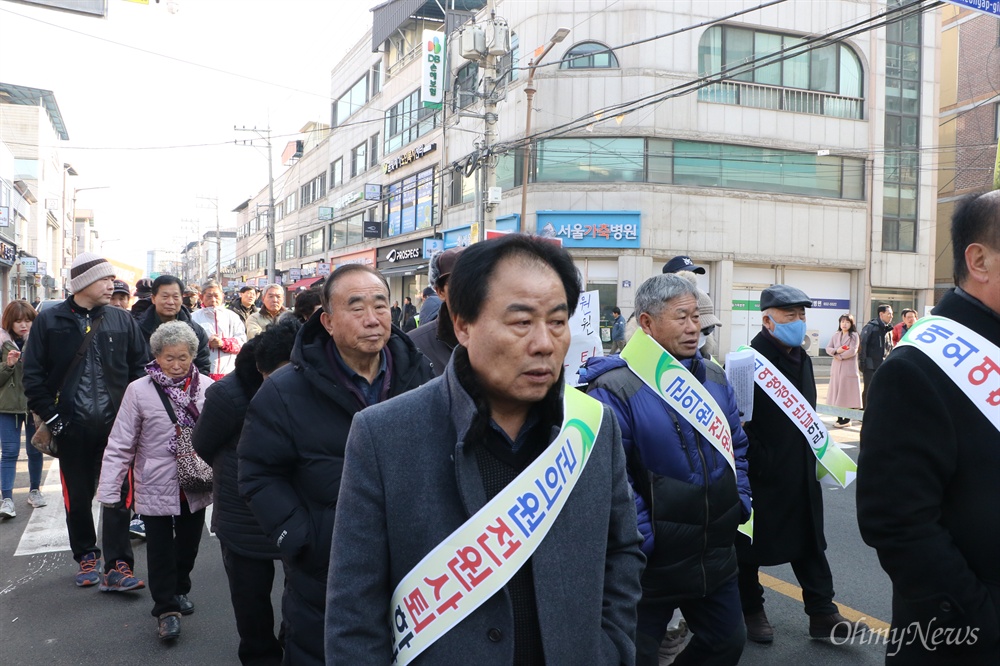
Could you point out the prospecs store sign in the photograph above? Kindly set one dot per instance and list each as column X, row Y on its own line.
column 411, row 252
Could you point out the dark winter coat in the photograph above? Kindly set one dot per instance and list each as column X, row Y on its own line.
column 291, row 456
column 876, row 343
column 117, row 355
column 140, row 306
column 436, row 340
column 242, row 312
column 403, row 495
column 409, row 317
column 928, row 498
column 215, row 438
column 150, row 321
column 787, row 498
column 688, row 501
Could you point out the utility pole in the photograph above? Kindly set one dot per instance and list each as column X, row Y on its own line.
column 489, row 140
column 265, row 134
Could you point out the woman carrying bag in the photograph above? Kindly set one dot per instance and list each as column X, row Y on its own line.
column 150, row 435
column 845, row 382
column 16, row 322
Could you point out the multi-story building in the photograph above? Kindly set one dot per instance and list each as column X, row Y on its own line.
column 86, row 231
column 969, row 125
column 32, row 126
column 782, row 145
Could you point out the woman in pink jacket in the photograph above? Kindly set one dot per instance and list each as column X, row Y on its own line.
column 142, row 443
column 845, row 382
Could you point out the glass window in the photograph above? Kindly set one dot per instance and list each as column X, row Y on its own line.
column 795, row 71
column 376, row 77
column 406, row 121
column 410, row 203
column 737, row 51
column 660, row 161
column 312, row 242
column 765, row 44
column 337, row 173
column 351, row 101
column 850, row 73
column 710, row 52
column 590, row 160
column 373, row 151
column 359, row 159
column 589, row 55
column 466, row 84
column 290, row 248
column 823, row 70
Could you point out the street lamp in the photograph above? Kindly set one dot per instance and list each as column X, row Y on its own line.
column 529, row 92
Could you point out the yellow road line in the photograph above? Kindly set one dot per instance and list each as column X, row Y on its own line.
column 793, row 592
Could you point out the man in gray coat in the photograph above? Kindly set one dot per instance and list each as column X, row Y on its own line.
column 493, row 413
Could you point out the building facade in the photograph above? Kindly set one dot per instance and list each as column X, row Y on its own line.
column 783, row 145
column 969, row 125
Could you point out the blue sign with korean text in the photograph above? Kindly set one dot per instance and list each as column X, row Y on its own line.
column 607, row 228
column 832, row 304
column 988, row 6
column 457, row 237
column 432, row 246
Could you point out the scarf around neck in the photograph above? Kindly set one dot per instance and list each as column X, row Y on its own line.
column 182, row 391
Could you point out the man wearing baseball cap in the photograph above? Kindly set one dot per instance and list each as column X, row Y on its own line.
column 78, row 401
column 121, row 295
column 787, row 498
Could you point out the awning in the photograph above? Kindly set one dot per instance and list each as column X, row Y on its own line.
column 304, row 283
column 404, row 270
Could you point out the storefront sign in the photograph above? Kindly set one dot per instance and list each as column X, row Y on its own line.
column 346, row 200
column 322, row 269
column 432, row 246
column 325, row 213
column 432, row 73
column 404, row 254
column 371, row 229
column 583, row 229
column 409, row 156
column 457, row 237
column 7, row 254
column 843, row 304
column 294, row 274
column 373, row 192
column 4, row 216
column 43, row 267
column 365, row 258
column 29, row 264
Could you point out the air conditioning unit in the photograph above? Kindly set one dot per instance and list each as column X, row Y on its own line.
column 811, row 342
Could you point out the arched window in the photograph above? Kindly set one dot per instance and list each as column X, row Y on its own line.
column 831, row 72
column 589, row 55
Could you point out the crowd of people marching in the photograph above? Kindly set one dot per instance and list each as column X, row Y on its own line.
column 436, row 492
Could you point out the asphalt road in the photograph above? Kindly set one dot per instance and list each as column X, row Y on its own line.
column 45, row 619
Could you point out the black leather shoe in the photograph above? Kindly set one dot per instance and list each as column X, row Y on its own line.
column 834, row 626
column 759, row 630
column 187, row 607
column 169, row 626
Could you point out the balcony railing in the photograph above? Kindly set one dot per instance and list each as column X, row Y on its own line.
column 783, row 99
column 407, row 58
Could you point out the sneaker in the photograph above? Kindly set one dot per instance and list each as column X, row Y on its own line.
column 137, row 529
column 120, row 579
column 36, row 499
column 7, row 508
column 88, row 575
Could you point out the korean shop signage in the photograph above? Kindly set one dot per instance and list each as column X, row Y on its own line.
column 409, row 156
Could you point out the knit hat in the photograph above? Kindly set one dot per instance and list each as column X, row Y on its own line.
column 707, row 311
column 87, row 269
column 144, row 288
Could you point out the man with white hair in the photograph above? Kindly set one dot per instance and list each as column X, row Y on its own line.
column 225, row 329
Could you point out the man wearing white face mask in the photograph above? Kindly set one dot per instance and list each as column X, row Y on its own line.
column 787, row 499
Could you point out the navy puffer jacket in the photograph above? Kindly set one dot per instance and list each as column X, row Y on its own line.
column 688, row 501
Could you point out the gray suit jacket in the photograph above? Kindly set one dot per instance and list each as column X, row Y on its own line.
column 409, row 481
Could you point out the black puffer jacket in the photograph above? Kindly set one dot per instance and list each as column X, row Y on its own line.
column 215, row 439
column 116, row 356
column 291, row 456
column 150, row 321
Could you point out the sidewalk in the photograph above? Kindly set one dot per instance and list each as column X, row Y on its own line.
column 851, row 434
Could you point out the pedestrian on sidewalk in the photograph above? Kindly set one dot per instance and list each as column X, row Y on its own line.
column 144, row 441
column 845, row 382
column 16, row 322
column 86, row 353
column 876, row 343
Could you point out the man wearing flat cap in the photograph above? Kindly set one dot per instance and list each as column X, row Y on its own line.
column 787, row 498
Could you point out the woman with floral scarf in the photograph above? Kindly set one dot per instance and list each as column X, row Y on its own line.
column 144, row 440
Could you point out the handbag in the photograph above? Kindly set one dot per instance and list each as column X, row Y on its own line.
column 43, row 440
column 193, row 474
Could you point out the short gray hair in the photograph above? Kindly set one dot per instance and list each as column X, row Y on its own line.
column 210, row 284
column 271, row 286
column 655, row 292
column 173, row 333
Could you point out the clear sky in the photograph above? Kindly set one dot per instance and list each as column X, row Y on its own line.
column 252, row 62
